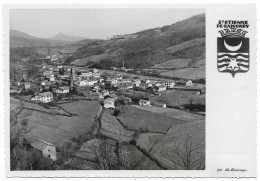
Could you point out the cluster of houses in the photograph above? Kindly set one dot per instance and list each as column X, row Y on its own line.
column 60, row 80
column 117, row 82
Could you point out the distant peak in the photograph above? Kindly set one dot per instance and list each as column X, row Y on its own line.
column 64, row 37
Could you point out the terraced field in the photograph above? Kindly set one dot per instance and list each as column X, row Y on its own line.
column 50, row 125
column 111, row 128
column 143, row 120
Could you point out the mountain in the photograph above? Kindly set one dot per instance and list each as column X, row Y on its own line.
column 181, row 41
column 64, row 37
column 19, row 39
column 20, row 34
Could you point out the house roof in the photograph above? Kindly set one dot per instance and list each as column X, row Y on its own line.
column 41, row 144
column 44, row 94
column 64, row 87
column 124, row 84
column 109, row 100
column 141, row 100
column 161, row 86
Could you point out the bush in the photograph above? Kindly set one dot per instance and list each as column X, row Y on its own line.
column 117, row 111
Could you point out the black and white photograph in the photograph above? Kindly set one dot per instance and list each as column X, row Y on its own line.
column 134, row 91
column 107, row 89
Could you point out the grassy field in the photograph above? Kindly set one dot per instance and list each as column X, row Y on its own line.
column 173, row 150
column 146, row 121
column 54, row 129
column 174, row 63
column 88, row 109
column 174, row 113
column 37, row 107
column 199, row 63
column 58, row 129
column 175, row 98
column 187, row 73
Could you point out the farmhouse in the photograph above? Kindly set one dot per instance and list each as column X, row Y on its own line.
column 82, row 83
column 126, row 81
column 189, row 83
column 169, row 85
column 160, row 88
column 148, row 85
column 44, row 97
column 51, row 78
column 109, row 103
column 61, row 90
column 45, row 82
column 47, row 149
column 15, row 90
column 27, row 85
column 144, row 102
column 105, row 92
column 125, row 86
column 96, row 75
column 118, row 76
column 111, row 81
column 47, row 73
column 136, row 82
column 86, row 74
column 141, row 86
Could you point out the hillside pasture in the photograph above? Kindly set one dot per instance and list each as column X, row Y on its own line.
column 58, row 129
column 187, row 73
column 170, row 150
column 175, row 98
column 54, row 129
column 37, row 107
column 174, row 113
column 185, row 45
column 142, row 120
column 173, row 64
column 88, row 109
column 90, row 60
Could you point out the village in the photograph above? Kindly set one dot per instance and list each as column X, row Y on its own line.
column 56, row 83
column 58, row 87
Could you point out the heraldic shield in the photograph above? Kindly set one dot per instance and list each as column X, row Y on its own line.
column 233, row 52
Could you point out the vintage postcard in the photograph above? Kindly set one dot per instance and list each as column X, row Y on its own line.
column 136, row 90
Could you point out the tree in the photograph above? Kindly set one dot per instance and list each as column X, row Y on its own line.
column 187, row 157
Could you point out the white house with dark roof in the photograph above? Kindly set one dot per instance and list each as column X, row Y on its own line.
column 44, row 97
column 47, row 149
column 160, row 88
column 61, row 90
column 144, row 102
column 189, row 83
column 109, row 103
column 169, row 84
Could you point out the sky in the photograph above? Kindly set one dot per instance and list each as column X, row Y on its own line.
column 94, row 23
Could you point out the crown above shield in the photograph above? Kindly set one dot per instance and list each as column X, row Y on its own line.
column 233, row 33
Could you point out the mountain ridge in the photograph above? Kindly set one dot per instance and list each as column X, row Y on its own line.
column 64, row 37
